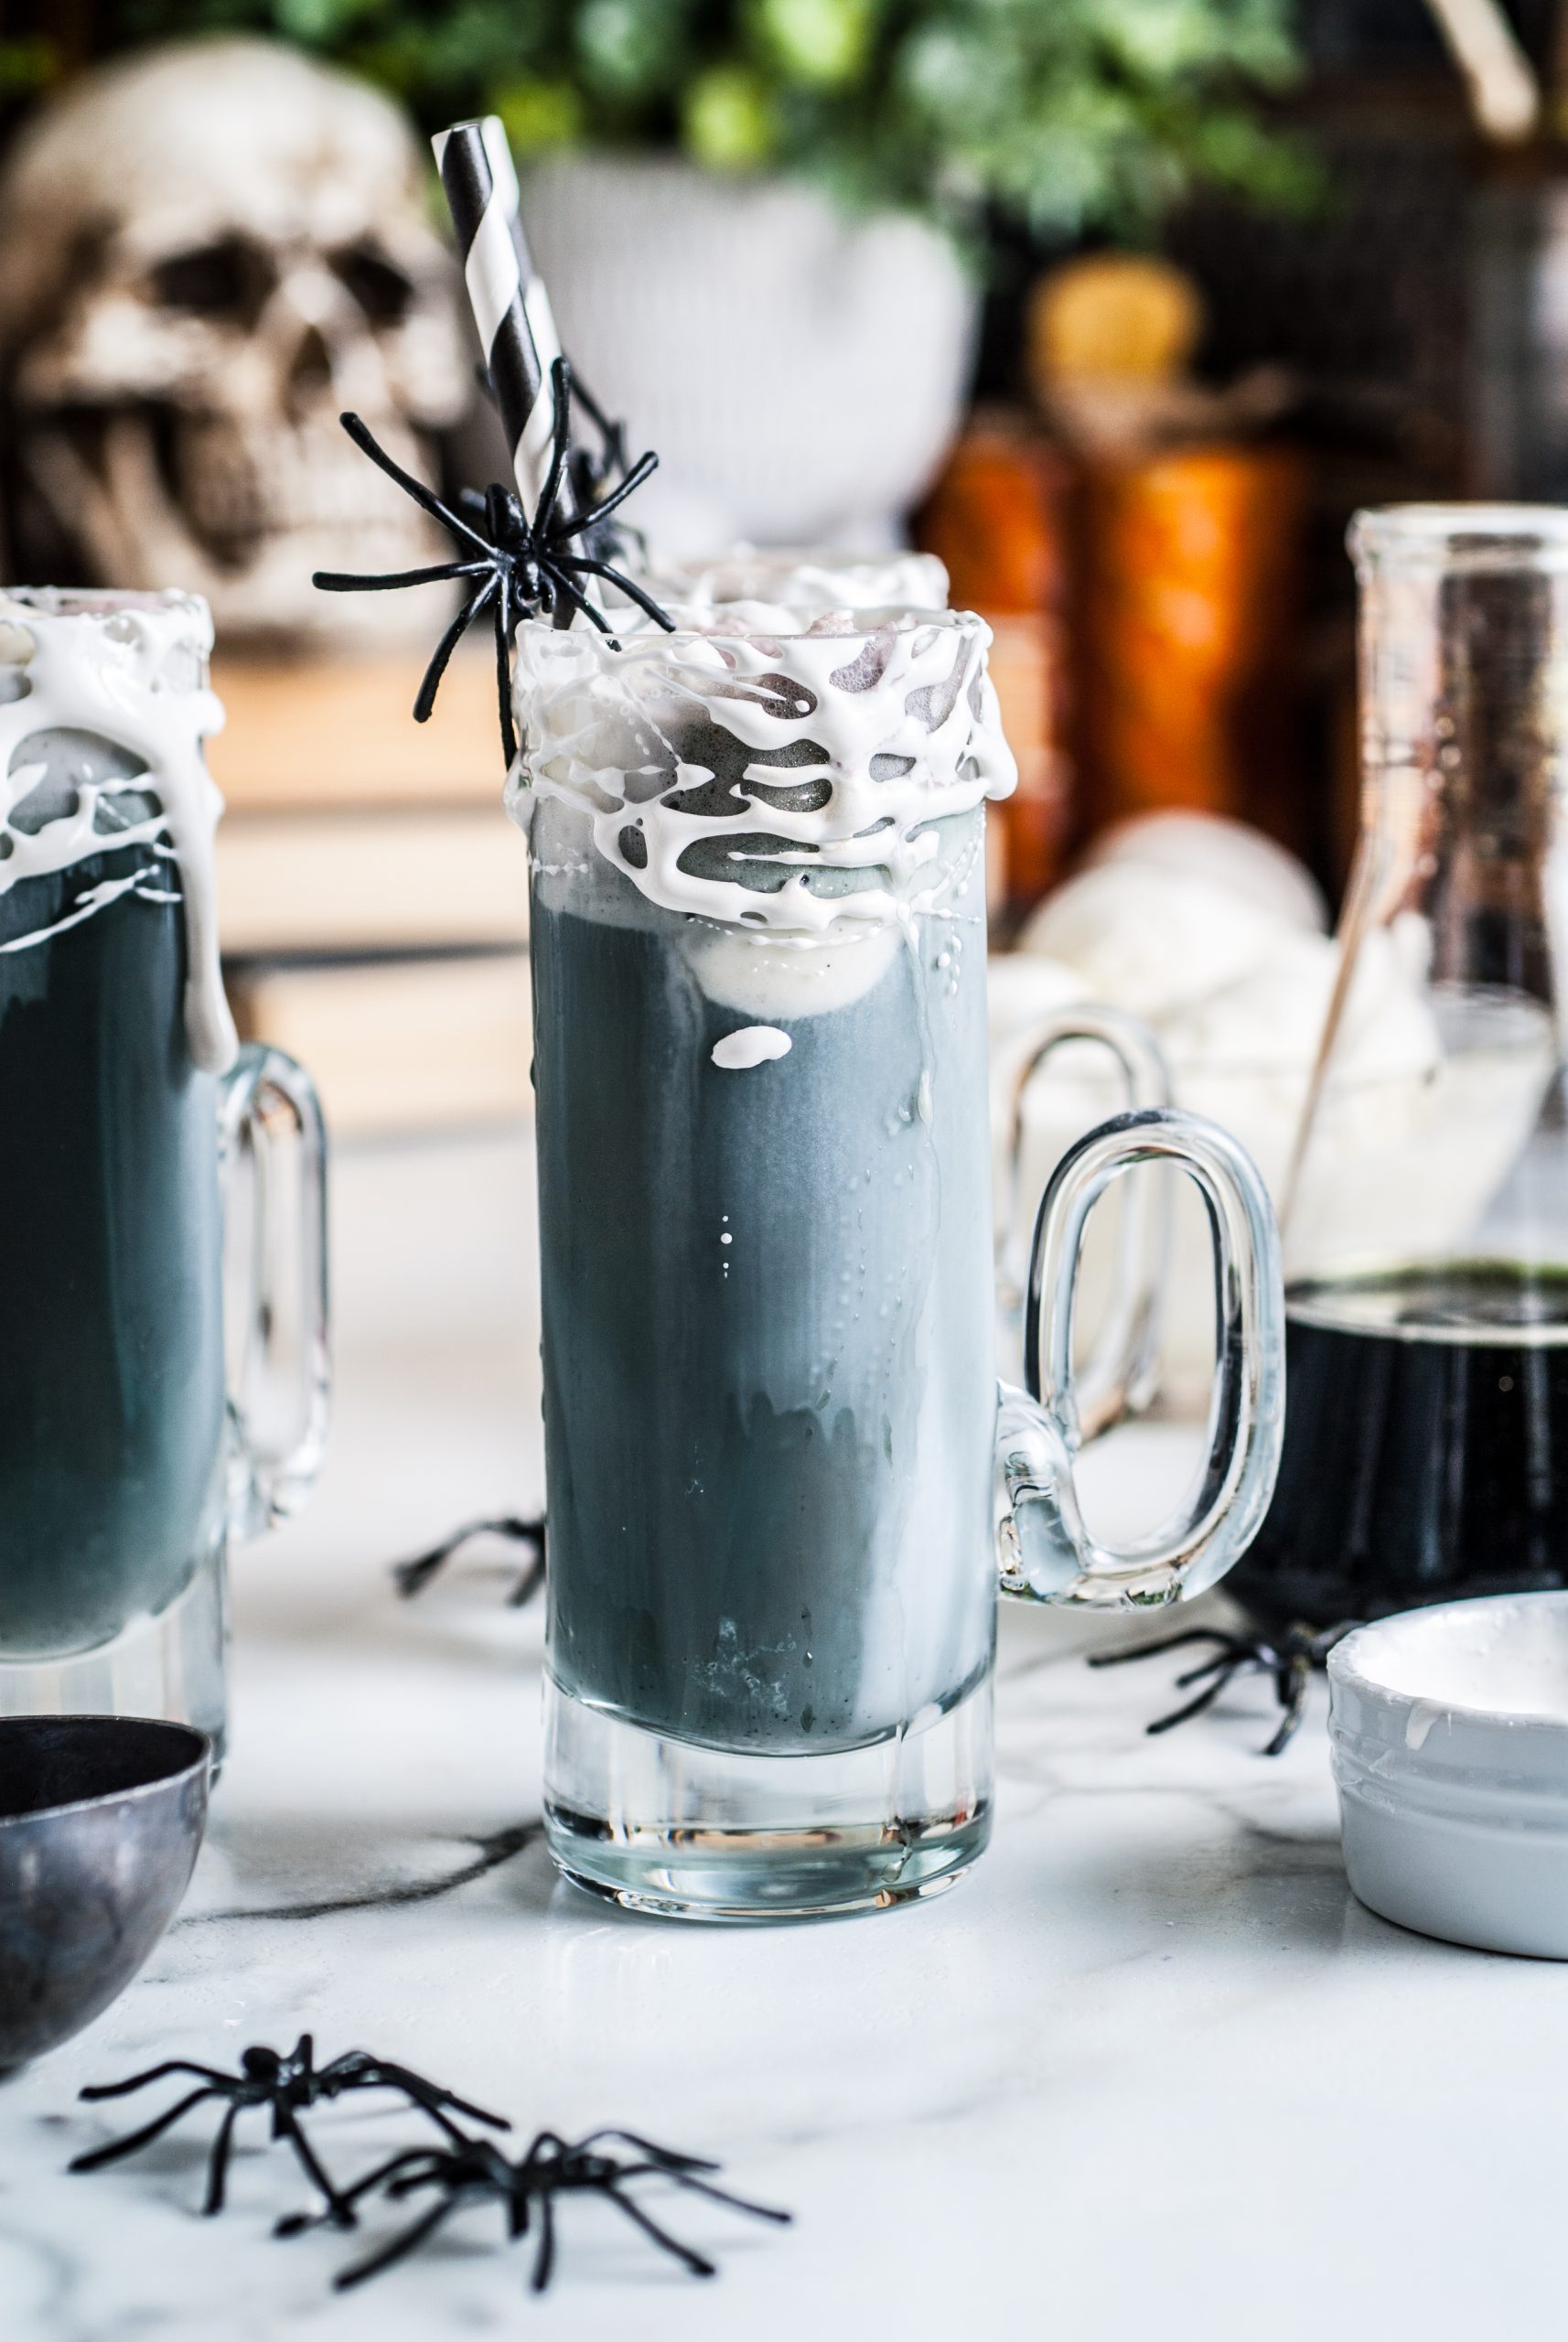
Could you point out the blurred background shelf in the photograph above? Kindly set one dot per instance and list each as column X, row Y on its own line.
column 405, row 879
column 373, row 893
column 398, row 1045
column 309, row 732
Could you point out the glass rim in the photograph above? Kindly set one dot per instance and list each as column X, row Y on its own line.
column 1463, row 535
column 100, row 601
column 907, row 618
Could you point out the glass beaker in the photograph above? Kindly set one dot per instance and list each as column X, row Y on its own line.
column 1425, row 1219
column 775, row 1454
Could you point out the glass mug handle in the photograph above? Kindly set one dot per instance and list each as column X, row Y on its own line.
column 1123, row 1371
column 1044, row 1553
column 287, row 1295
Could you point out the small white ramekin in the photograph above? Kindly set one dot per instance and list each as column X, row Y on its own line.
column 1448, row 1729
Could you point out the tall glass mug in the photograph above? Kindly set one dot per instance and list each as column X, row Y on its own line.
column 776, row 1460
column 125, row 1107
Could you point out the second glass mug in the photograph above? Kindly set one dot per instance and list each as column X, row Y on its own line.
column 780, row 1477
column 125, row 1113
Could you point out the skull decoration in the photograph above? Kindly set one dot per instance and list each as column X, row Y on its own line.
column 210, row 252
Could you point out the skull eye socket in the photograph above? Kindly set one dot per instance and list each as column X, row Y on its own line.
column 220, row 280
column 380, row 286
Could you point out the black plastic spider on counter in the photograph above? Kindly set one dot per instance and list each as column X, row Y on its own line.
column 519, row 564
column 476, row 2171
column 1290, row 1660
column 284, row 2087
column 411, row 1577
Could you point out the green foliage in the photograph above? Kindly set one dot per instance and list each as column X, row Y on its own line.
column 1063, row 112
column 29, row 64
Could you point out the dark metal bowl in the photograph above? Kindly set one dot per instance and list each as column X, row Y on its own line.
column 100, row 1818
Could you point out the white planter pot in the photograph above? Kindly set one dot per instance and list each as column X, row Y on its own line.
column 800, row 371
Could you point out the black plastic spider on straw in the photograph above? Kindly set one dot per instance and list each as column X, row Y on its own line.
column 589, row 474
column 283, row 2086
column 478, row 2172
column 518, row 565
column 1290, row 1660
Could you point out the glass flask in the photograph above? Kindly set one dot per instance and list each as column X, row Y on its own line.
column 1425, row 1217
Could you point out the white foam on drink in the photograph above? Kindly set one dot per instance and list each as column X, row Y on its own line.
column 129, row 670
column 840, row 751
column 785, row 978
column 750, row 1045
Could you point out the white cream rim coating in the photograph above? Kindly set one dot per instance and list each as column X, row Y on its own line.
column 131, row 670
column 892, row 712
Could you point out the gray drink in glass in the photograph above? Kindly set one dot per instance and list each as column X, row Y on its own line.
column 770, row 1417
column 124, row 1465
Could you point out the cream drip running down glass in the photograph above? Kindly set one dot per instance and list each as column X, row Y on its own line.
column 125, row 1105
column 776, row 1456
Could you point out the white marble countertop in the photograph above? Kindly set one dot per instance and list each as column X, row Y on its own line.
column 1149, row 2071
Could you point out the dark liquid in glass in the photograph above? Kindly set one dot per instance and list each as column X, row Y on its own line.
column 111, row 1297
column 1425, row 1445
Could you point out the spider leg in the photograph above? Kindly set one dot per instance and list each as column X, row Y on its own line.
column 338, row 2208
column 369, row 446
column 595, row 413
column 695, row 2262
column 401, row 2246
column 430, row 684
column 503, row 667
column 1321, row 1645
column 663, row 2158
column 725, row 2196
column 410, row 2167
column 96, row 2157
column 343, row 581
column 644, row 466
column 218, row 2162
column 154, row 2074
column 560, row 445
column 411, row 1577
column 687, row 2178
column 1295, row 1704
column 345, row 2198
column 1235, row 1661
column 445, row 2100
column 569, row 593
column 1205, row 1699
column 545, row 2258
column 628, row 586
column 528, row 1585
column 377, row 2074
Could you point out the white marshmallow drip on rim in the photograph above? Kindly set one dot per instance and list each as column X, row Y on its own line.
column 129, row 670
column 891, row 716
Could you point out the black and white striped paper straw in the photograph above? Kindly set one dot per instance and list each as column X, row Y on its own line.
column 506, row 292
